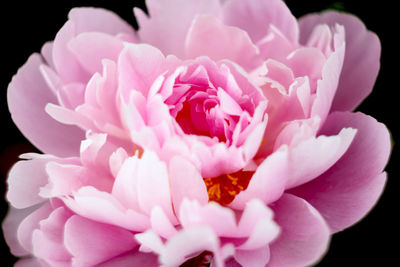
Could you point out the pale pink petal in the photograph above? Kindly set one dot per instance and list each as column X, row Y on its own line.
column 207, row 36
column 161, row 224
column 48, row 240
column 253, row 258
column 275, row 45
column 132, row 258
column 92, row 243
column 153, row 185
column 27, row 96
column 163, row 30
column 10, row 226
column 312, row 157
column 83, row 20
column 305, row 235
column 139, row 66
column 211, row 215
column 255, row 17
column 103, row 207
column 268, row 182
column 90, row 48
column 47, row 53
column 125, row 185
column 349, row 189
column 25, row 179
column 361, row 61
column 29, row 262
column 187, row 243
column 331, row 72
column 185, row 182
column 30, row 223
column 307, row 61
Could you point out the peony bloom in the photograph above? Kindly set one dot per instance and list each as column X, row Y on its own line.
column 225, row 137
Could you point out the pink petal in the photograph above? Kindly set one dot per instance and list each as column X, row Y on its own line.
column 10, row 226
column 207, row 36
column 186, row 182
column 139, row 66
column 314, row 156
column 349, row 189
column 25, row 179
column 255, row 17
column 361, row 61
column 254, row 258
column 91, row 242
column 90, row 48
column 27, row 96
column 103, row 207
column 188, row 242
column 331, row 72
column 268, row 182
column 83, row 20
column 28, row 262
column 153, row 185
column 30, row 223
column 211, row 215
column 132, row 259
column 48, row 240
column 305, row 235
column 161, row 224
column 163, row 30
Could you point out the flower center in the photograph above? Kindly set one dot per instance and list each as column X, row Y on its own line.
column 224, row 188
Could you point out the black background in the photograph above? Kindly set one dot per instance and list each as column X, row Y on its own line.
column 371, row 242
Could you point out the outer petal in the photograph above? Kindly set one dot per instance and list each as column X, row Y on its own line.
column 10, row 226
column 209, row 37
column 255, row 17
column 91, row 243
column 361, row 62
column 25, row 179
column 305, row 234
column 91, row 48
column 348, row 190
column 83, row 20
column 27, row 96
column 169, row 22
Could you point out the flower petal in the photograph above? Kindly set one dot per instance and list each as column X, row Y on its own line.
column 255, row 17
column 91, row 242
column 163, row 30
column 349, row 189
column 305, row 235
column 207, row 36
column 361, row 61
column 27, row 96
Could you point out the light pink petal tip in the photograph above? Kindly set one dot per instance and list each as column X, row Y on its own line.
column 362, row 56
column 27, row 96
column 350, row 188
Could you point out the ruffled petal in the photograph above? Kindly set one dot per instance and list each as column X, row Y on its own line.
column 361, row 61
column 349, row 189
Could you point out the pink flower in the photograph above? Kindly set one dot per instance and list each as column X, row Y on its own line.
column 224, row 136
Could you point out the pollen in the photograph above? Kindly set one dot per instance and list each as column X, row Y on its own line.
column 224, row 188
